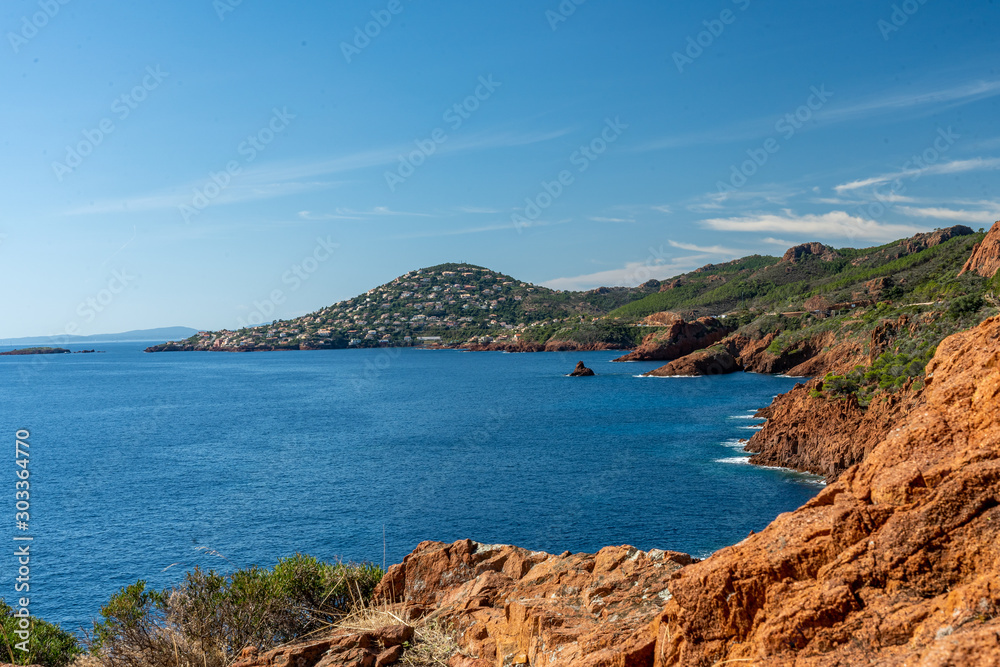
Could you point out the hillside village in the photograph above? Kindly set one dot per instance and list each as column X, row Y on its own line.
column 448, row 302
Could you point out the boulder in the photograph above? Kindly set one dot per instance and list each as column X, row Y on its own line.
column 581, row 371
column 513, row 606
column 715, row 360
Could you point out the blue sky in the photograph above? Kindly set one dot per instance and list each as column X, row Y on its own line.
column 177, row 163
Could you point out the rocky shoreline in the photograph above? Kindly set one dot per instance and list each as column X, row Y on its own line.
column 893, row 563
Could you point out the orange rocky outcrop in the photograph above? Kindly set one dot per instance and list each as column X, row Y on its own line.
column 342, row 648
column 821, row 435
column 816, row 355
column 985, row 259
column 894, row 564
column 796, row 253
column 513, row 606
column 677, row 337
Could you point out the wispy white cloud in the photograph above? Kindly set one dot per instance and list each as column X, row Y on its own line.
column 708, row 250
column 835, row 224
column 952, row 167
column 477, row 210
column 602, row 219
column 716, row 201
column 891, row 103
column 779, row 242
column 957, row 215
column 354, row 214
column 630, row 275
column 895, row 102
column 509, row 227
column 183, row 195
column 278, row 179
column 663, row 208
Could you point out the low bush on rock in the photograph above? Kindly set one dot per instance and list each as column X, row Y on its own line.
column 47, row 644
column 210, row 617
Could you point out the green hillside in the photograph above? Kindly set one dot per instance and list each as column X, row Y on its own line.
column 906, row 270
column 456, row 303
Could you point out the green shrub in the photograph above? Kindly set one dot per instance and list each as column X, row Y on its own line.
column 963, row 305
column 210, row 616
column 841, row 385
column 48, row 644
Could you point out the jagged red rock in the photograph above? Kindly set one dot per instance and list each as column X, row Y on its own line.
column 985, row 258
column 895, row 563
column 677, row 337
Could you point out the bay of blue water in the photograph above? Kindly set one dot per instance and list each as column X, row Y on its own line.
column 140, row 461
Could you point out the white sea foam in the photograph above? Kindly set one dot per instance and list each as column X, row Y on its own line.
column 746, row 417
column 734, row 444
column 739, row 460
column 752, row 427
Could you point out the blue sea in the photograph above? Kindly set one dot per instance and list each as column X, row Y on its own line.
column 145, row 465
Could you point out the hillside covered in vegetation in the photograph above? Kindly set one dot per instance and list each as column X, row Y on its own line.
column 467, row 305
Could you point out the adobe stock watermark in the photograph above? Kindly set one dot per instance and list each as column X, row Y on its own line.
column 455, row 116
column 363, row 36
column 696, row 44
column 581, row 158
column 22, row 554
column 899, row 17
column 248, row 149
column 294, row 277
column 911, row 170
column 31, row 25
column 786, row 127
column 223, row 7
column 122, row 107
column 562, row 13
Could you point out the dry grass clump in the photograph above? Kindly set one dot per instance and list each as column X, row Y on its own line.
column 433, row 642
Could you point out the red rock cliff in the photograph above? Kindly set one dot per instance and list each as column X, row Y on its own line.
column 894, row 564
column 822, row 435
column 985, row 259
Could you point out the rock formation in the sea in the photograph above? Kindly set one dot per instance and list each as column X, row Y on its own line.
column 35, row 350
column 716, row 360
column 894, row 564
column 675, row 337
column 985, row 259
column 514, row 606
column 581, row 370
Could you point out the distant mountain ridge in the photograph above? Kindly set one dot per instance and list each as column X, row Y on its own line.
column 137, row 335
